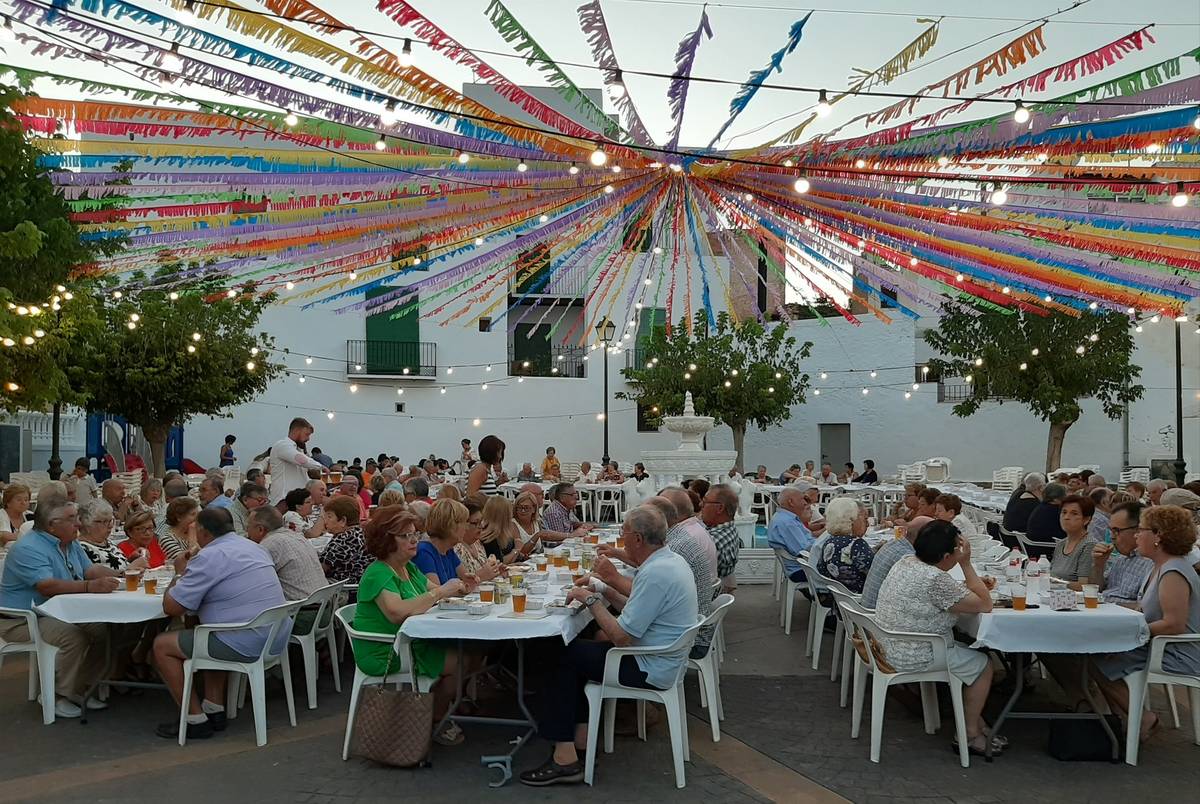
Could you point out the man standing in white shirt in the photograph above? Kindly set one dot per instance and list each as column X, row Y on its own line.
column 289, row 462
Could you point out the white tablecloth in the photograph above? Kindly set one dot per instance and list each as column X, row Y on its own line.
column 117, row 607
column 1106, row 629
column 559, row 623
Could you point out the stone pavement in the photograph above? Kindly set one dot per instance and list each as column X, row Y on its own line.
column 784, row 739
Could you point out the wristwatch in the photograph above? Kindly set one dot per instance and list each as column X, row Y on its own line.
column 592, row 599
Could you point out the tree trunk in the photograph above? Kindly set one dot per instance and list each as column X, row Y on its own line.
column 157, row 436
column 739, row 443
column 1058, row 432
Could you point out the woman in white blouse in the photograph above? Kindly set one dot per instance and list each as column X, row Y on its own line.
column 12, row 514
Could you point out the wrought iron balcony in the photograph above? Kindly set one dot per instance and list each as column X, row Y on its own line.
column 561, row 361
column 371, row 358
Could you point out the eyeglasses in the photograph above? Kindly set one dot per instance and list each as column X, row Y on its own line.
column 1122, row 530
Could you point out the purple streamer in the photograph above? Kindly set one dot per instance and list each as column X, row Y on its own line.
column 685, row 57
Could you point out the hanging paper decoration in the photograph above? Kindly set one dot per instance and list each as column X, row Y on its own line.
column 750, row 88
column 685, row 57
column 591, row 20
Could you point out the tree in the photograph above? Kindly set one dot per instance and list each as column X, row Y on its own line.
column 177, row 348
column 738, row 372
column 1048, row 362
column 46, row 317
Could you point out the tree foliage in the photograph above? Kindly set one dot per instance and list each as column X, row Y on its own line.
column 157, row 373
column 45, row 307
column 738, row 372
column 1034, row 359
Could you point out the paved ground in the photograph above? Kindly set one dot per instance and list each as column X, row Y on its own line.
column 784, row 739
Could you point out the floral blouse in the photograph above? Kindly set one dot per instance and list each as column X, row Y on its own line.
column 847, row 560
column 472, row 556
column 106, row 555
column 346, row 558
column 917, row 597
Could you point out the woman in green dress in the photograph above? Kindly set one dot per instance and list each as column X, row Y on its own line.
column 391, row 590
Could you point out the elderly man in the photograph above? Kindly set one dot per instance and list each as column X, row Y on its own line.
column 212, row 493
column 1121, row 576
column 789, row 529
column 828, row 477
column 1023, row 501
column 230, row 580
column 1096, row 481
column 719, row 508
column 85, row 484
column 113, row 492
column 289, row 463
column 526, row 474
column 256, row 476
column 349, row 488
column 47, row 562
column 296, row 563
column 559, row 516
column 586, row 475
column 887, row 556
column 417, row 488
column 1155, row 489
column 391, row 480
column 250, row 497
column 659, row 609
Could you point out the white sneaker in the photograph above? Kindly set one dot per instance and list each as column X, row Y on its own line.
column 64, row 708
column 95, row 704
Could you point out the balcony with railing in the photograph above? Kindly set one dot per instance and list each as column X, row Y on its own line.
column 534, row 277
column 415, row 360
column 560, row 361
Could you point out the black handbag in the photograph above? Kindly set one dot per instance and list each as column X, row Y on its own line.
column 1084, row 740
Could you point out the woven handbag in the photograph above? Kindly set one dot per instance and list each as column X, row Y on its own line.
column 394, row 727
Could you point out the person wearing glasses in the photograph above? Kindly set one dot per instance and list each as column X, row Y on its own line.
column 46, row 562
column 1116, row 567
column 560, row 514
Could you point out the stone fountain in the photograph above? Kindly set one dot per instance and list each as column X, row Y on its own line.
column 691, row 460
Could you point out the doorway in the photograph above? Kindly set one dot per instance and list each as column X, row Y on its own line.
column 835, row 445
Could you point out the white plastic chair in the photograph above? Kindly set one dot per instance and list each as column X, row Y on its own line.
column 569, row 471
column 275, row 619
column 607, row 500
column 708, row 667
column 1139, row 682
column 816, row 612
column 788, row 589
column 402, row 675
column 842, row 597
column 42, row 661
column 324, row 599
column 1007, row 478
column 1138, row 474
column 763, row 504
column 610, row 689
column 936, row 672
column 583, row 505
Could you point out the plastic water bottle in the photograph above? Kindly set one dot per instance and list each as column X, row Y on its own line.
column 1044, row 569
column 1012, row 573
column 1033, row 582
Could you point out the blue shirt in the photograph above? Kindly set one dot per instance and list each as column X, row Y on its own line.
column 220, row 501
column 428, row 560
column 790, row 534
column 232, row 580
column 661, row 607
column 38, row 556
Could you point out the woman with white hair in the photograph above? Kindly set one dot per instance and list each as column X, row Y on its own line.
column 1022, row 502
column 845, row 556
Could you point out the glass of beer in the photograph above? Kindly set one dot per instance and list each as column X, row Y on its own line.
column 518, row 600
column 133, row 580
column 593, row 537
column 560, row 560
column 151, row 586
column 899, row 531
column 573, row 563
column 487, row 592
column 335, row 478
column 1091, row 595
column 620, row 541
column 539, row 561
column 516, row 578
column 1018, row 597
column 586, row 560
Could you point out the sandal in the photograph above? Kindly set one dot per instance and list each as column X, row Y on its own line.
column 550, row 772
column 449, row 735
column 978, row 751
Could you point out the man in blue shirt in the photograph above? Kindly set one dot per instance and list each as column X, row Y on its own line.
column 46, row 562
column 789, row 531
column 660, row 609
column 212, row 494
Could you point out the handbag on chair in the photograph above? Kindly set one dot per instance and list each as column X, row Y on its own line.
column 394, row 727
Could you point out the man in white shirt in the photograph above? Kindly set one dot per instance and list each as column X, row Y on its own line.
column 289, row 463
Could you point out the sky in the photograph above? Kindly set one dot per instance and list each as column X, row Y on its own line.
column 863, row 34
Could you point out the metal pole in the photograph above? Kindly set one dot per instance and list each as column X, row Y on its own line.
column 1180, row 464
column 55, row 458
column 605, row 459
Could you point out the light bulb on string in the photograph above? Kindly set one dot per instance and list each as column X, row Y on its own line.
column 522, row 167
column 816, row 392
column 823, row 108
column 916, row 386
column 387, row 117
column 908, row 394
column 1180, row 198
column 598, row 158
column 171, row 60
column 406, row 57
column 543, row 218
column 463, row 157
column 608, row 189
column 1154, row 319
column 658, row 249
column 1021, row 115
column 191, row 350
column 290, row 119
column 308, row 361
column 860, row 163
column 479, row 241
column 329, row 415
column 943, row 161
column 353, row 388
column 824, row 375
column 999, row 197
column 616, row 86
column 866, row 391
column 1023, row 366
column 187, row 14
column 290, row 286
column 788, row 163
column 874, row 374
column 381, row 143
column 573, row 169
column 802, row 185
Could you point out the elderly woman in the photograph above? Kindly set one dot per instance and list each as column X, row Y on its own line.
column 1023, row 501
column 470, row 550
column 449, row 491
column 1170, row 603
column 298, row 512
column 393, row 497
column 377, row 484
column 845, row 556
column 391, row 590
column 345, row 557
column 141, row 541
column 527, row 514
column 179, row 538
column 1045, row 523
column 611, row 473
column 151, row 496
column 12, row 515
column 1072, row 558
column 95, row 527
column 447, row 525
column 551, row 468
column 501, row 536
column 919, row 595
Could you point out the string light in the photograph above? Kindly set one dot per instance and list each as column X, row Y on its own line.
column 329, row 415
column 816, row 392
column 1093, row 306
column 173, row 296
column 12, row 386
column 824, row 375
column 290, row 286
column 1021, row 115
column 301, row 378
column 1180, row 199
column 1034, row 351
column 802, row 185
column 573, row 169
column 823, row 108
column 353, row 275
column 475, row 422
column 608, row 188
column 249, row 365
column 860, row 163
column 9, row 342
column 484, row 387
column 908, row 394
column 440, row 390
column 788, row 163
column 874, row 374
column 27, row 340
column 598, row 158
column 381, row 143
column 463, row 158
column 958, row 277
column 916, row 386
column 308, row 361
column 866, row 391
column 406, row 56
column 171, row 60
column 943, row 161
column 1080, row 349
column 999, row 197
column 1155, row 319
column 522, row 167
column 479, row 241
column 676, row 167
column 749, row 196
column 658, row 249
column 969, row 378
column 1023, row 366
column 353, row 388
column 187, row 14
column 387, row 117
column 290, row 119
column 616, row 86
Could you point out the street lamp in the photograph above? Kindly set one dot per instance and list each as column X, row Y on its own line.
column 606, row 330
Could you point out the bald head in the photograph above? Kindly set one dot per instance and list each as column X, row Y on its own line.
column 915, row 526
column 666, row 508
column 682, row 502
